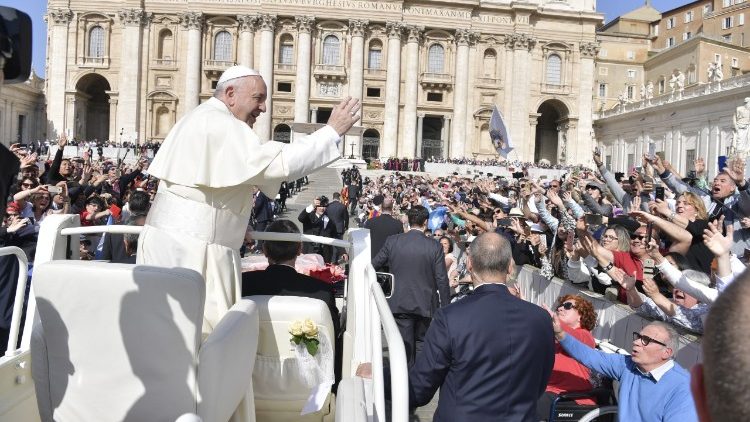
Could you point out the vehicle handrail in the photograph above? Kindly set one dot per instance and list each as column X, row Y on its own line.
column 15, row 323
column 282, row 237
column 396, row 353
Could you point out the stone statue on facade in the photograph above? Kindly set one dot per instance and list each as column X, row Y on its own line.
column 741, row 138
column 677, row 84
column 649, row 92
column 715, row 76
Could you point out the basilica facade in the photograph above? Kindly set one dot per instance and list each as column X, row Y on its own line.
column 428, row 72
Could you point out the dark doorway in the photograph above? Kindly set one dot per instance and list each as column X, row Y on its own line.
column 21, row 128
column 282, row 133
column 546, row 143
column 370, row 144
column 323, row 115
column 432, row 137
column 92, row 116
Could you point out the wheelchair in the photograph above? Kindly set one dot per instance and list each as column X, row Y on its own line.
column 565, row 409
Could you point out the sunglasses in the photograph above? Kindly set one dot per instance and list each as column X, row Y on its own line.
column 27, row 185
column 640, row 237
column 567, row 306
column 646, row 340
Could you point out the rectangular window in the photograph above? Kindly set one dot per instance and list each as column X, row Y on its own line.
column 213, row 84
column 661, row 86
column 706, row 9
column 670, row 42
column 727, row 38
column 735, row 62
column 656, row 29
column 631, row 92
column 436, row 97
column 727, row 3
column 690, row 159
column 726, row 23
column 631, row 73
column 286, row 52
column 670, row 23
column 373, row 92
column 689, row 16
column 602, row 90
column 687, row 35
column 631, row 55
column 741, row 19
column 374, row 59
column 284, row 87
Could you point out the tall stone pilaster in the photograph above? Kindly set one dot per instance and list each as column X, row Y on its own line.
column 521, row 45
column 58, row 20
column 392, row 90
column 302, row 88
column 411, row 90
column 357, row 30
column 247, row 25
column 193, row 23
column 464, row 39
column 583, row 146
column 129, row 86
column 267, row 28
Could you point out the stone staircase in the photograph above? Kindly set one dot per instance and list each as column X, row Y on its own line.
column 325, row 181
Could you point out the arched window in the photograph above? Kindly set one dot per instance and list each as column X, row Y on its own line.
column 223, row 46
column 375, row 55
column 554, row 70
column 166, row 44
column 370, row 144
column 286, row 49
column 282, row 133
column 489, row 63
column 96, row 42
column 435, row 59
column 331, row 47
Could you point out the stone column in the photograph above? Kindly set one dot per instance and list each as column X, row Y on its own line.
column 58, row 20
column 521, row 45
column 420, row 125
column 302, row 83
column 246, row 53
column 446, row 136
column 581, row 151
column 113, row 131
column 314, row 115
column 668, row 146
column 129, row 86
column 464, row 38
column 533, row 121
column 714, row 149
column 392, row 90
column 357, row 29
column 677, row 151
column 193, row 22
column 267, row 24
column 411, row 90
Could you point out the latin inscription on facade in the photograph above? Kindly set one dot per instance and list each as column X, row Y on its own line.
column 440, row 13
column 493, row 19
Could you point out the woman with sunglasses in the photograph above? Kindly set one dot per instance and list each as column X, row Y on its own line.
column 577, row 317
column 584, row 268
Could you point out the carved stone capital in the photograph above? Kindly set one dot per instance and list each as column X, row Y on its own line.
column 59, row 16
column 466, row 37
column 394, row 29
column 192, row 20
column 134, row 17
column 358, row 27
column 414, row 33
column 519, row 41
column 305, row 23
column 589, row 49
column 267, row 22
column 248, row 23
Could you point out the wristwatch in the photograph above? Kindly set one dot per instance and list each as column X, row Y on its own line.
column 671, row 216
column 608, row 267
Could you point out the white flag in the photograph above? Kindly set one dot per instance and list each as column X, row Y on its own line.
column 499, row 133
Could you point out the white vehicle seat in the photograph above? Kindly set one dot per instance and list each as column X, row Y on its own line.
column 280, row 391
column 117, row 342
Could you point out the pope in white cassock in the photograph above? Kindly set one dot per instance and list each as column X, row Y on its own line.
column 207, row 166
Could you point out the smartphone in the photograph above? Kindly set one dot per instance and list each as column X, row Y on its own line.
column 593, row 219
column 54, row 190
column 722, row 162
column 649, row 232
column 649, row 268
column 505, row 222
column 659, row 190
column 598, row 151
column 651, row 151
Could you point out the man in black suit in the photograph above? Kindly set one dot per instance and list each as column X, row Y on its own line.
column 114, row 244
column 418, row 266
column 383, row 226
column 280, row 278
column 490, row 354
column 315, row 222
column 339, row 216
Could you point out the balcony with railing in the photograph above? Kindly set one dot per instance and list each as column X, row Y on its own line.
column 164, row 63
column 374, row 73
column 86, row 61
column 329, row 72
column 285, row 68
column 488, row 81
column 436, row 80
column 555, row 88
column 217, row 64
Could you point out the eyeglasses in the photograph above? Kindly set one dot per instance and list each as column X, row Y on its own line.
column 646, row 340
column 27, row 185
column 609, row 237
column 498, row 211
column 567, row 306
column 640, row 237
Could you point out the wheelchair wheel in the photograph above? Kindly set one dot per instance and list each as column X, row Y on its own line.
column 606, row 410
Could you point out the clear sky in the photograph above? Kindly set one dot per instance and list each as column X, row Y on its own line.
column 37, row 8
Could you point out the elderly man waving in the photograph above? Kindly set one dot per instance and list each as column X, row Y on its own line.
column 208, row 165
